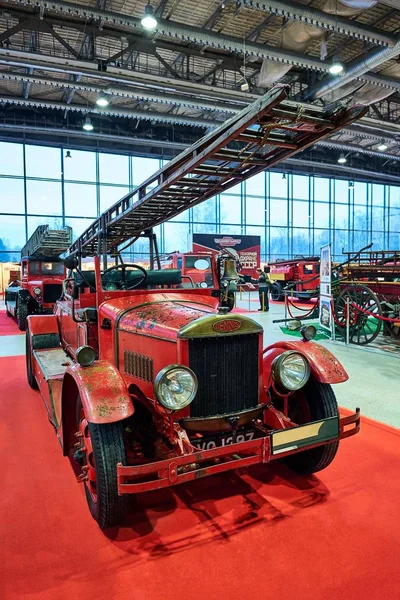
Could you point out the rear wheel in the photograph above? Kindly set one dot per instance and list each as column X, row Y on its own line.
column 102, row 448
column 29, row 371
column 314, row 402
column 276, row 292
column 8, row 314
column 22, row 315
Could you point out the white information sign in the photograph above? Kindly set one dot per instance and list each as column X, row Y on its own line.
column 325, row 310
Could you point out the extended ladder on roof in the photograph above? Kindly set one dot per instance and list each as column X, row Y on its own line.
column 47, row 243
column 263, row 134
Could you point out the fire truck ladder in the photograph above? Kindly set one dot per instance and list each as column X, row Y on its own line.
column 47, row 243
column 263, row 134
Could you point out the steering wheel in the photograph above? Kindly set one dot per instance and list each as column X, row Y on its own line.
column 122, row 267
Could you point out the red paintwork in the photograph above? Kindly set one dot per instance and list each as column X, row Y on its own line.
column 147, row 323
column 103, row 392
column 325, row 368
column 178, row 260
column 291, row 271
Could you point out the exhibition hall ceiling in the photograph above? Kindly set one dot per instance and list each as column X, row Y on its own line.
column 204, row 61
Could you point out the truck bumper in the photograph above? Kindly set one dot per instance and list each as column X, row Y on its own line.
column 202, row 463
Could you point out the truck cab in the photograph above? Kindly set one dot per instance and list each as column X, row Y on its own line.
column 38, row 290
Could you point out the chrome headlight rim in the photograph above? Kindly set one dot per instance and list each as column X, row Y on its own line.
column 37, row 291
column 278, row 365
column 159, row 379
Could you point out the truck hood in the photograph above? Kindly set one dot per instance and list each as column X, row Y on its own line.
column 160, row 316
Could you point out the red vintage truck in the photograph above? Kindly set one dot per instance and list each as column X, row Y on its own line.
column 42, row 274
column 299, row 274
column 148, row 384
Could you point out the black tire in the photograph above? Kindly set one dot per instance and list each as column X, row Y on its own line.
column 28, row 352
column 108, row 508
column 8, row 314
column 276, row 292
column 22, row 315
column 322, row 405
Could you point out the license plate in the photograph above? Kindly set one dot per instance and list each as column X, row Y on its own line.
column 297, row 438
column 222, row 440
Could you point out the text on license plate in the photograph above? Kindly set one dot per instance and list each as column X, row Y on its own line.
column 222, row 441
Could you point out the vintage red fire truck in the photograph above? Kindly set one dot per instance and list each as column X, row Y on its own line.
column 148, row 384
column 42, row 274
column 299, row 274
column 195, row 267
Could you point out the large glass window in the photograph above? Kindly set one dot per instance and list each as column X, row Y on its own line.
column 44, row 197
column 110, row 194
column 12, row 196
column 230, row 209
column 11, row 159
column 300, row 187
column 43, row 162
column 255, row 186
column 80, row 200
column 114, row 169
column 293, row 213
column 81, row 167
column 143, row 168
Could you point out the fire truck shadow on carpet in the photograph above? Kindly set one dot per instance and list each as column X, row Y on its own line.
column 214, row 509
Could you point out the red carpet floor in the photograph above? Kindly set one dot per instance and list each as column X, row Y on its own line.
column 8, row 326
column 260, row 533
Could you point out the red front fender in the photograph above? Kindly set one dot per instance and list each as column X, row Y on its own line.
column 103, row 393
column 325, row 367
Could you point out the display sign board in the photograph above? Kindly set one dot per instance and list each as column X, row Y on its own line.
column 325, row 304
column 247, row 247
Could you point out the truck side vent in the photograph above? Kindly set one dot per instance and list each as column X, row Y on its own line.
column 138, row 365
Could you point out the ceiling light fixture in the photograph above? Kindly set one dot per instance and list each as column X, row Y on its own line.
column 342, row 159
column 283, row 175
column 336, row 67
column 351, row 185
column 102, row 101
column 68, row 155
column 149, row 21
column 87, row 125
column 382, row 146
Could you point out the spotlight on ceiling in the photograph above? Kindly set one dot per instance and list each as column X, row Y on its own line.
column 283, row 175
column 102, row 101
column 351, row 185
column 342, row 159
column 149, row 21
column 336, row 67
column 244, row 86
column 87, row 125
column 382, row 146
column 68, row 155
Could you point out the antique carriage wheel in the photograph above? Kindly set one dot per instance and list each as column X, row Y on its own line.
column 363, row 327
column 314, row 402
column 102, row 448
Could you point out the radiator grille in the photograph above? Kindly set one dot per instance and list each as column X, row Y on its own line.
column 138, row 365
column 52, row 292
column 227, row 371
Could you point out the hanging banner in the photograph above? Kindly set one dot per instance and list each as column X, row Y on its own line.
column 325, row 305
column 247, row 246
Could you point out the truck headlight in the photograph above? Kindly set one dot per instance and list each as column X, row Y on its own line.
column 37, row 291
column 175, row 386
column 291, row 370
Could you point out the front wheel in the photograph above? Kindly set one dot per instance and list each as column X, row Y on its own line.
column 102, row 449
column 29, row 371
column 316, row 401
column 22, row 315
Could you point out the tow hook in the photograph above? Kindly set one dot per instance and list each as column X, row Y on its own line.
column 233, row 422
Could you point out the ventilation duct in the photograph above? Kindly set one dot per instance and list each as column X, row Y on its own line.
column 297, row 36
